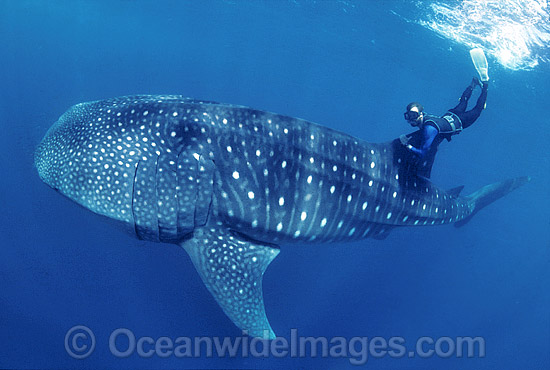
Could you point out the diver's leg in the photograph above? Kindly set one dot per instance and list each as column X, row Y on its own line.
column 469, row 117
column 466, row 95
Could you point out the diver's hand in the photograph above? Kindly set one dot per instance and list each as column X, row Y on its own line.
column 413, row 150
column 404, row 140
column 416, row 152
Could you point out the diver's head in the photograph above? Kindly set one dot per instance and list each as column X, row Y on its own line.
column 414, row 114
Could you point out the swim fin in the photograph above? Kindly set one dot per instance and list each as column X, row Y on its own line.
column 480, row 62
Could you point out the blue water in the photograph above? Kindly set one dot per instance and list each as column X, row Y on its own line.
column 348, row 66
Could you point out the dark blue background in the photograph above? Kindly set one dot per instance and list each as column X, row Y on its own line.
column 352, row 68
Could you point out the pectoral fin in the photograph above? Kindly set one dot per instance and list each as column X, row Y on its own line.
column 232, row 268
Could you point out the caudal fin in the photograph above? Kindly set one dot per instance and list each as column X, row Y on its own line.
column 488, row 194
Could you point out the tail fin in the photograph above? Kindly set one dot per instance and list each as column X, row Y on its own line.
column 488, row 194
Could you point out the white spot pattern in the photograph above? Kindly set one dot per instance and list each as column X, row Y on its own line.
column 326, row 181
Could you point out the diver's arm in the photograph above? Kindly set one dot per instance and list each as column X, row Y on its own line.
column 429, row 133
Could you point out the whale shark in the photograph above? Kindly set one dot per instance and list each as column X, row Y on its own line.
column 230, row 184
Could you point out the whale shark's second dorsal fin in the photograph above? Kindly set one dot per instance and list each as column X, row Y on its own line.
column 455, row 192
column 232, row 268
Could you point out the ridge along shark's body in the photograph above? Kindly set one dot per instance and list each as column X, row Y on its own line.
column 229, row 183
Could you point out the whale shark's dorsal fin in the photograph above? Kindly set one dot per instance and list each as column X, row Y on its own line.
column 232, row 268
column 455, row 192
column 407, row 161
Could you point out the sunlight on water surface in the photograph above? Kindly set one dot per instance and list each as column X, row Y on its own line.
column 515, row 32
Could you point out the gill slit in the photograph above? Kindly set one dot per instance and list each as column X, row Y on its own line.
column 134, row 196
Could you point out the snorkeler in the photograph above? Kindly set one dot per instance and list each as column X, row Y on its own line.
column 436, row 128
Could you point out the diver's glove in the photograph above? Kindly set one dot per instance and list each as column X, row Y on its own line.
column 404, row 140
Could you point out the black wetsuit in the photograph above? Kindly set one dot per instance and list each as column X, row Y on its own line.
column 431, row 132
column 469, row 117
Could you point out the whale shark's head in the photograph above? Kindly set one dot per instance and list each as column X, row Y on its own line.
column 123, row 158
column 52, row 157
column 84, row 159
